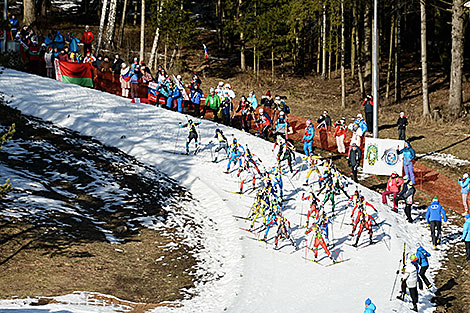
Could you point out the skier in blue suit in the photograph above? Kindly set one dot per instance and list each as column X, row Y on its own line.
column 235, row 153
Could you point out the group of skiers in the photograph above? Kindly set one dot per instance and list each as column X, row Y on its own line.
column 325, row 184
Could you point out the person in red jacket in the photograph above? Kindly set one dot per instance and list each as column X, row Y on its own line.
column 87, row 39
column 393, row 187
column 340, row 132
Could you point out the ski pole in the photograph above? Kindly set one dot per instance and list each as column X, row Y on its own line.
column 342, row 221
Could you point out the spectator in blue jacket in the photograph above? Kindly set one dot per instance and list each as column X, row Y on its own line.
column 466, row 236
column 59, row 41
column 14, row 23
column 252, row 100
column 73, row 42
column 175, row 94
column 195, row 97
column 48, row 40
column 370, row 307
column 309, row 133
column 169, row 100
column 434, row 216
column 464, row 183
column 423, row 263
column 408, row 155
column 162, row 92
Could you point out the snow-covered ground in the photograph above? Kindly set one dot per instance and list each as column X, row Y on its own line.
column 445, row 159
column 251, row 276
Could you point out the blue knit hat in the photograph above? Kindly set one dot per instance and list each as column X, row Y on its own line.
column 368, row 302
column 467, row 216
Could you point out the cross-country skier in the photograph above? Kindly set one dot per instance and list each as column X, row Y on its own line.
column 318, row 240
column 323, row 222
column 363, row 219
column 307, row 139
column 314, row 211
column 277, row 181
column 270, row 221
column 285, row 152
column 313, row 162
column 235, row 153
column 249, row 173
column 331, row 190
column 192, row 134
column 249, row 157
column 283, row 231
column 282, row 125
column 223, row 144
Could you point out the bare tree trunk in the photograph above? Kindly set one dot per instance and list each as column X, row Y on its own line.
column 142, row 31
column 337, row 53
column 455, row 106
column 166, row 50
column 343, row 82
column 136, row 8
column 424, row 59
column 121, row 27
column 170, row 65
column 109, row 37
column 29, row 9
column 323, row 34
column 361, row 80
column 218, row 8
column 254, row 59
column 330, row 46
column 153, row 64
column 390, row 59
column 318, row 54
column 104, row 11
column 242, row 39
column 353, row 36
column 397, row 55
column 367, row 46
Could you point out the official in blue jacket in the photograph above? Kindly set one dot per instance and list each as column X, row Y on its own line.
column 423, row 263
column 309, row 133
column 370, row 307
column 434, row 216
column 464, row 183
column 466, row 236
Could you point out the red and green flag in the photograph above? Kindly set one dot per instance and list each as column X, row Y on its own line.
column 75, row 73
